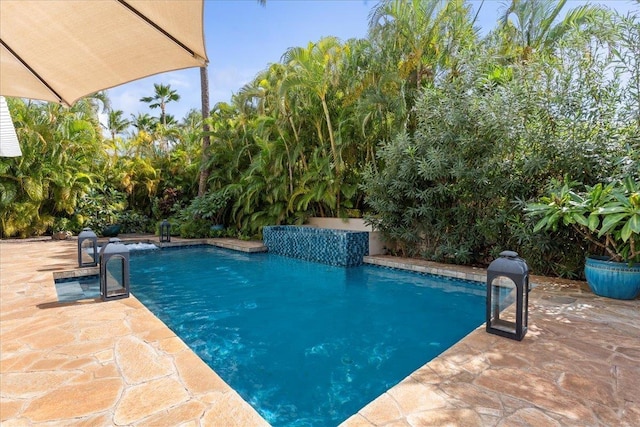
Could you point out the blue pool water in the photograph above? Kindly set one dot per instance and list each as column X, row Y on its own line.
column 306, row 344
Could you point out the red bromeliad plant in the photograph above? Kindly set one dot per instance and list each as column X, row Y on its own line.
column 608, row 216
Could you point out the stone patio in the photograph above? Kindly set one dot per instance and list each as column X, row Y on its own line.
column 92, row 363
column 578, row 365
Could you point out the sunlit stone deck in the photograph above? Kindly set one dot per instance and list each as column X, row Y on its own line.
column 96, row 364
column 578, row 365
column 92, row 363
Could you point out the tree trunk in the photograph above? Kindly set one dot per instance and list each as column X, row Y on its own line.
column 206, row 139
column 334, row 150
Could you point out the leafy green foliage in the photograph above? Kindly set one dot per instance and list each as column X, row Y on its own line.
column 61, row 224
column 59, row 149
column 195, row 228
column 100, row 208
column 134, row 222
column 608, row 216
column 211, row 206
column 203, row 213
column 454, row 190
column 438, row 136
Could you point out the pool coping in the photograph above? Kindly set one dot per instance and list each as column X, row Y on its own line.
column 231, row 244
column 562, row 373
column 422, row 266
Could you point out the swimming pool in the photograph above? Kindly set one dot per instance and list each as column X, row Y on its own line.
column 304, row 343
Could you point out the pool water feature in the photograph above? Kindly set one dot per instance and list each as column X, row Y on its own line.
column 304, row 343
column 132, row 246
column 344, row 248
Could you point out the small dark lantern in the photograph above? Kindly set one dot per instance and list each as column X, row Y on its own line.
column 87, row 248
column 508, row 284
column 114, row 270
column 165, row 231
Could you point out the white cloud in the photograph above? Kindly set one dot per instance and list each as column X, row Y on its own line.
column 223, row 83
column 181, row 79
column 128, row 100
column 185, row 82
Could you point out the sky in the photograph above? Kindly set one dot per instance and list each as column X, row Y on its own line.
column 242, row 38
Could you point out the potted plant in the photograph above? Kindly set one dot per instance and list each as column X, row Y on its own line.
column 608, row 218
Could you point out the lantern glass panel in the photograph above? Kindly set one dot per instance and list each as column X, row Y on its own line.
column 165, row 231
column 115, row 276
column 504, row 295
column 88, row 257
column 525, row 304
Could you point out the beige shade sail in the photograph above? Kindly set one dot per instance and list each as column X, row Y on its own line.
column 62, row 50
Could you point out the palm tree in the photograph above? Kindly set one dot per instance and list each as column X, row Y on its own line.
column 316, row 69
column 535, row 25
column 206, row 138
column 418, row 41
column 60, row 156
column 418, row 37
column 377, row 96
column 163, row 95
column 100, row 99
column 116, row 124
column 141, row 141
column 143, row 122
column 408, row 34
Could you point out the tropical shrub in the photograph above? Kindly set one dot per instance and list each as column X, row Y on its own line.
column 211, row 206
column 607, row 217
column 455, row 190
column 61, row 224
column 197, row 219
column 134, row 222
column 60, row 148
column 99, row 208
column 195, row 228
column 168, row 204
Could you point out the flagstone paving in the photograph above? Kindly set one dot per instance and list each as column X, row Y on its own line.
column 578, row 365
column 95, row 363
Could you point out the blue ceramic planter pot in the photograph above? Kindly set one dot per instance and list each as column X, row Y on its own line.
column 111, row 230
column 610, row 279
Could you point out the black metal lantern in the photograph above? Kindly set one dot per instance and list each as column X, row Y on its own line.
column 114, row 270
column 165, row 231
column 508, row 296
column 87, row 248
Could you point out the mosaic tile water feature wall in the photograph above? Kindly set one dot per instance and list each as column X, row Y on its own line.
column 334, row 247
